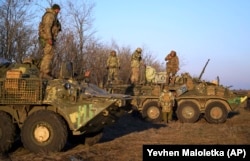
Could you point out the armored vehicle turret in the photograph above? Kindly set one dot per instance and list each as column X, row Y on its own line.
column 47, row 112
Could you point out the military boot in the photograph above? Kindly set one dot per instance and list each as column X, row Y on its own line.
column 170, row 116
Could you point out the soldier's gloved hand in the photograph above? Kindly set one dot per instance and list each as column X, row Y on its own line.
column 119, row 67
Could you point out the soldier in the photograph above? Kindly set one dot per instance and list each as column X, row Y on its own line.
column 172, row 66
column 166, row 102
column 49, row 28
column 113, row 64
column 135, row 65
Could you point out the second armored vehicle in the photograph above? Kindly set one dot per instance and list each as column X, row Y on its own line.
column 194, row 98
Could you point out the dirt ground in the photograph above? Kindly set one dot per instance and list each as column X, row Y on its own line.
column 123, row 141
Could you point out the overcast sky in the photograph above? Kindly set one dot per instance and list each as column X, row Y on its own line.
column 198, row 30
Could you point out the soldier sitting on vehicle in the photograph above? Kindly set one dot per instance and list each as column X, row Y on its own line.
column 28, row 68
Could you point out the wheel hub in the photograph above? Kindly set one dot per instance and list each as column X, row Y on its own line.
column 216, row 113
column 41, row 134
column 188, row 112
column 153, row 112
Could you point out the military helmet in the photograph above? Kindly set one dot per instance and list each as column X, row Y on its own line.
column 173, row 52
column 56, row 6
column 139, row 50
column 113, row 52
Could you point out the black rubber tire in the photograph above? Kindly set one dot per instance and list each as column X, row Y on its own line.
column 188, row 112
column 147, row 111
column 48, row 124
column 212, row 115
column 7, row 132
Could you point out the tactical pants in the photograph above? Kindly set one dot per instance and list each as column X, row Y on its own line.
column 113, row 74
column 135, row 75
column 170, row 78
column 48, row 54
column 142, row 76
column 167, row 116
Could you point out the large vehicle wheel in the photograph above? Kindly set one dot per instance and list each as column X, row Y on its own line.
column 7, row 132
column 44, row 131
column 188, row 112
column 151, row 112
column 216, row 112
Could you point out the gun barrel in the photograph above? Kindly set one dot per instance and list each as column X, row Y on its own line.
column 203, row 69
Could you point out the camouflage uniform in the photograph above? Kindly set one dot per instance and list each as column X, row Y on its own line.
column 135, row 66
column 142, row 70
column 166, row 101
column 49, row 28
column 113, row 64
column 172, row 66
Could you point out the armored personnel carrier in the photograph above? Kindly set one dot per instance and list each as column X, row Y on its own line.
column 210, row 99
column 194, row 98
column 47, row 112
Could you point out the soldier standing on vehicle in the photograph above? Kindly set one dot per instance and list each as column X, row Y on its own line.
column 172, row 66
column 135, row 66
column 166, row 101
column 49, row 28
column 113, row 65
